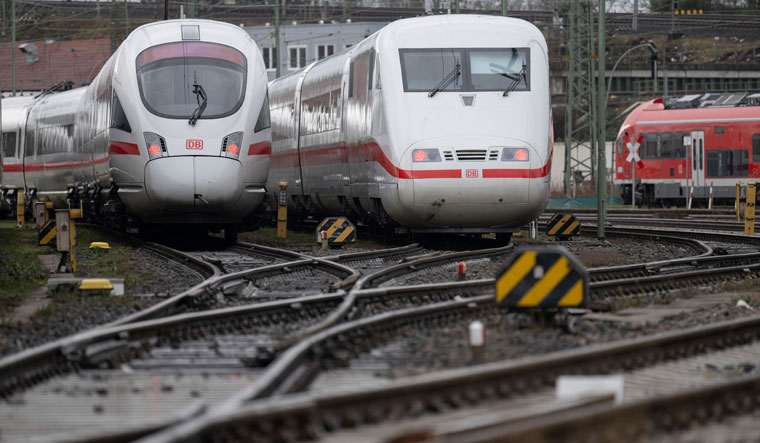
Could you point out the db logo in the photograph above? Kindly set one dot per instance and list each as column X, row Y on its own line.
column 471, row 173
column 194, row 144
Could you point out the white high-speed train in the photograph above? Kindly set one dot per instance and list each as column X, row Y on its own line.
column 173, row 130
column 435, row 124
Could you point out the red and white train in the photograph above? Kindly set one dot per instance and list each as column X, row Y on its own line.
column 432, row 124
column 169, row 132
column 704, row 141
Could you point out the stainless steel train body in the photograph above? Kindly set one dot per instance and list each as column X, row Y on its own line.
column 13, row 118
column 175, row 127
column 428, row 123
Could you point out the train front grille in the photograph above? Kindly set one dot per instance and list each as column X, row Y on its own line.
column 472, row 155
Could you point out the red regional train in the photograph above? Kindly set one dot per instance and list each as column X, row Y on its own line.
column 695, row 140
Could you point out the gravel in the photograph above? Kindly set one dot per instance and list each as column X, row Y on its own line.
column 591, row 252
column 513, row 335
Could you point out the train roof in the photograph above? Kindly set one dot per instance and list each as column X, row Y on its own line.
column 13, row 109
column 697, row 108
column 438, row 30
column 713, row 100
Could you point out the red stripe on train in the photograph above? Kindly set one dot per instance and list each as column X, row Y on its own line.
column 123, row 148
column 261, row 148
column 328, row 154
column 31, row 167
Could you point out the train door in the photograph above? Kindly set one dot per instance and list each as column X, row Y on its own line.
column 698, row 158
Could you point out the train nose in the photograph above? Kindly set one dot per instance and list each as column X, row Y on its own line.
column 194, row 184
column 473, row 181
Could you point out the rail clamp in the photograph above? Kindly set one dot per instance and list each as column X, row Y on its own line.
column 563, row 226
column 548, row 277
column 339, row 231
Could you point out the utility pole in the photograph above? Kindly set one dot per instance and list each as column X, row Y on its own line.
column 277, row 38
column 504, row 7
column 635, row 24
column 166, row 9
column 126, row 20
column 581, row 108
column 601, row 163
column 13, row 47
column 456, row 3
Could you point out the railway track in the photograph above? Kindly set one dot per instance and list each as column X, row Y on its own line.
column 309, row 416
column 165, row 340
column 256, row 340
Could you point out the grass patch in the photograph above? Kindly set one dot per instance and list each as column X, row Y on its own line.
column 21, row 273
column 114, row 262
column 63, row 298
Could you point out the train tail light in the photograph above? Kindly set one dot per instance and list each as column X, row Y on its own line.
column 231, row 144
column 426, row 155
column 156, row 145
column 514, row 155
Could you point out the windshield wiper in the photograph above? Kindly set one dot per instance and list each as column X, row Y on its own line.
column 450, row 77
column 199, row 94
column 516, row 80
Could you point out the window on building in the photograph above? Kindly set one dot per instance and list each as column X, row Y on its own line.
column 755, row 148
column 325, row 51
column 268, row 54
column 348, row 45
column 297, row 56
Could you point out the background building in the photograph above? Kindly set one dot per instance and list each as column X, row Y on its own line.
column 303, row 44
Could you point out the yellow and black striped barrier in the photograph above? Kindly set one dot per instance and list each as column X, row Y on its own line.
column 542, row 278
column 563, row 226
column 47, row 233
column 339, row 231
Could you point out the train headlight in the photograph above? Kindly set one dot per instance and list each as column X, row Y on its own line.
column 426, row 155
column 155, row 143
column 514, row 155
column 231, row 144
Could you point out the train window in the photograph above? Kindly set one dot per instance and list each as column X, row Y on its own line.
column 499, row 69
column 727, row 163
column 701, row 154
column 720, row 129
column 29, row 148
column 693, row 156
column 220, row 70
column 678, row 144
column 648, row 148
column 377, row 72
column 666, row 147
column 263, row 121
column 9, row 144
column 423, row 69
column 619, row 145
column 755, row 148
column 118, row 117
column 371, row 68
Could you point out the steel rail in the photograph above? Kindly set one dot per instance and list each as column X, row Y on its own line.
column 710, row 225
column 200, row 267
column 403, row 251
column 642, row 419
column 301, row 415
column 378, row 277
